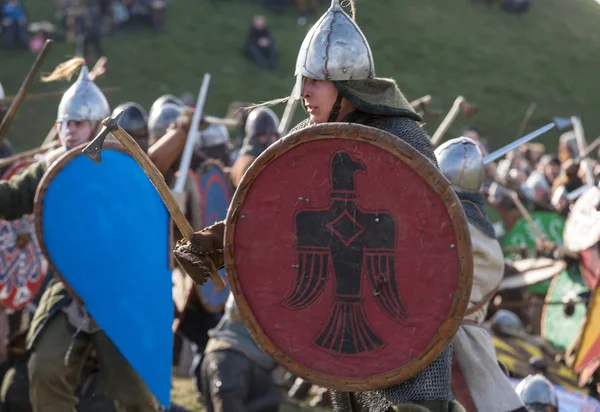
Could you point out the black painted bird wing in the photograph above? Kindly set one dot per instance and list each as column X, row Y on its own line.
column 380, row 266
column 312, row 264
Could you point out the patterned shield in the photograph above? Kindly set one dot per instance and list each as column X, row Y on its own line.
column 562, row 322
column 522, row 236
column 105, row 232
column 516, row 351
column 349, row 256
column 587, row 360
column 215, row 197
column 23, row 267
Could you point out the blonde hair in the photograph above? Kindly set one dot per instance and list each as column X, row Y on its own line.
column 65, row 70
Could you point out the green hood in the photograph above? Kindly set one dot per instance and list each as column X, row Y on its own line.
column 377, row 96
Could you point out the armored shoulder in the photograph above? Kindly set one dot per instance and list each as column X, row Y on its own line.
column 18, row 193
column 406, row 129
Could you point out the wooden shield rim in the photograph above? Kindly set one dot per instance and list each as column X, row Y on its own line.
column 200, row 172
column 548, row 298
column 438, row 183
column 38, row 204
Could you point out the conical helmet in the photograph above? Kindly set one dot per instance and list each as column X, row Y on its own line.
column 261, row 121
column 160, row 118
column 461, row 162
column 537, row 390
column 164, row 99
column 334, row 49
column 83, row 101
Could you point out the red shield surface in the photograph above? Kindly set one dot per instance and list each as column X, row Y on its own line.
column 23, row 267
column 349, row 256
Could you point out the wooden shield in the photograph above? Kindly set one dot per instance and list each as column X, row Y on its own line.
column 215, row 197
column 105, row 232
column 561, row 326
column 23, row 266
column 522, row 236
column 516, row 351
column 587, row 360
column 349, row 256
column 531, row 272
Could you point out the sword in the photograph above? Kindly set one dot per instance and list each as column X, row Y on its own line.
column 581, row 144
column 186, row 158
column 94, row 152
column 288, row 114
column 558, row 122
column 18, row 101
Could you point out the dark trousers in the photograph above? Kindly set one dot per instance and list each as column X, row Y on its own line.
column 265, row 57
column 233, row 383
column 85, row 43
column 194, row 327
column 15, row 34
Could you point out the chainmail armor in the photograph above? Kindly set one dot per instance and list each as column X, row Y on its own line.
column 472, row 204
column 433, row 383
column 403, row 128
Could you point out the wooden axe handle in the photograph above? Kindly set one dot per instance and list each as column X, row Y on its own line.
column 447, row 122
column 161, row 186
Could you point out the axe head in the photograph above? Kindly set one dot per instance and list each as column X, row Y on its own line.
column 94, row 150
column 562, row 122
column 469, row 109
column 431, row 115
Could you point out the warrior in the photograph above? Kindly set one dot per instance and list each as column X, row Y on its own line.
column 335, row 78
column 538, row 394
column 461, row 161
column 159, row 120
column 260, row 132
column 134, row 121
column 236, row 373
column 62, row 331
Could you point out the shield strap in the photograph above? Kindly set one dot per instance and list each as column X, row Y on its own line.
column 484, row 301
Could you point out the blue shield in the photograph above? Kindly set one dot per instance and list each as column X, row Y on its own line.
column 105, row 230
column 215, row 197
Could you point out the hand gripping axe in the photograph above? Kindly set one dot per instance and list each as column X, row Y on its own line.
column 94, row 152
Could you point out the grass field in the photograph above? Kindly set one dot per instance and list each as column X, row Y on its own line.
column 500, row 62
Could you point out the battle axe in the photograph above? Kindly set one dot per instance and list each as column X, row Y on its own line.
column 94, row 152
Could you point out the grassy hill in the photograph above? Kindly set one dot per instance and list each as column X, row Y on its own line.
column 500, row 62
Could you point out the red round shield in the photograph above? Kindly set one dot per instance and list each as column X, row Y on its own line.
column 349, row 256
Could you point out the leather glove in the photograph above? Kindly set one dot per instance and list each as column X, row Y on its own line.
column 203, row 253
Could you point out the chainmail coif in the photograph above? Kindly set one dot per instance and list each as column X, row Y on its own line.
column 472, row 204
column 433, row 383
